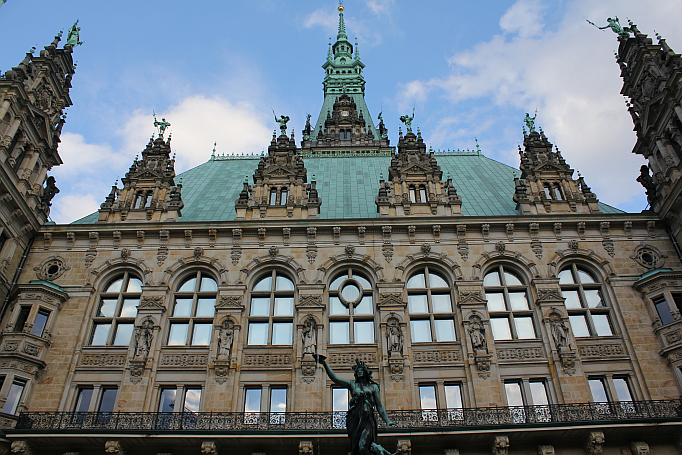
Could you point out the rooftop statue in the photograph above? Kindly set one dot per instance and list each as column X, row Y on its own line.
column 364, row 398
column 283, row 119
column 163, row 124
column 613, row 24
column 74, row 35
column 530, row 121
column 407, row 120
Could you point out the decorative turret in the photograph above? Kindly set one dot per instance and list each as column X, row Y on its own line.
column 546, row 184
column 344, row 124
column 280, row 188
column 149, row 190
column 414, row 185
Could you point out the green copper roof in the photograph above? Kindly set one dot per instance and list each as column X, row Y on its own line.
column 348, row 186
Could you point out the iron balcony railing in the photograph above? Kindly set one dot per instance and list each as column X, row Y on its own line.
column 414, row 420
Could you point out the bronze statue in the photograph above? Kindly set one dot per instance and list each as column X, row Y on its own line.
column 49, row 191
column 530, row 121
column 407, row 120
column 361, row 422
column 163, row 124
column 283, row 119
column 73, row 35
column 614, row 24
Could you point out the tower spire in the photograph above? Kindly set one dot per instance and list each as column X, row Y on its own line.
column 342, row 25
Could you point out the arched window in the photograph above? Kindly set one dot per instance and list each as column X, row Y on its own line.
column 272, row 310
column 283, row 196
column 351, row 309
column 548, row 190
column 191, row 321
column 510, row 313
column 115, row 318
column 413, row 194
column 430, row 307
column 422, row 194
column 273, row 196
column 588, row 311
column 557, row 192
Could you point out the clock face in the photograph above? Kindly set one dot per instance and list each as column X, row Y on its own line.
column 344, row 113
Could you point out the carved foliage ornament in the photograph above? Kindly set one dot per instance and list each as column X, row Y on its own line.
column 51, row 269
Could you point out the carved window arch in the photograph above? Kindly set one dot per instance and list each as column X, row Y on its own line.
column 429, row 303
column 588, row 309
column 511, row 316
column 114, row 318
column 271, row 310
column 191, row 319
column 351, row 308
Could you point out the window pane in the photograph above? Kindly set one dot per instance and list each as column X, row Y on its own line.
column 413, row 195
column 192, row 400
column 201, row 335
column 593, row 299
column 601, row 325
column 518, row 301
column 260, row 306
column 83, row 401
column 436, row 281
column 208, row 284
column 183, row 307
column 662, row 309
column 108, row 401
column 579, row 326
column 134, row 285
column 107, row 308
column 622, row 389
column 21, row 319
column 273, row 197
column 188, row 286
column 441, row 303
column 283, row 197
column 13, row 398
column 284, row 306
column 124, row 333
column 422, row 195
column 445, row 330
column 337, row 282
column 513, row 392
column 283, row 284
column 167, row 400
column 566, row 277
column 585, row 277
column 492, row 279
column 278, row 400
column 524, row 328
column 417, row 303
column 339, row 333
column 340, row 400
column 39, row 324
column 264, row 285
column 501, row 330
column 511, row 279
column 363, row 332
column 416, row 281
column 258, row 333
column 115, row 286
column 100, row 335
column 495, row 301
column 282, row 333
column 336, row 307
column 453, row 396
column 538, row 393
column 205, row 307
column 350, row 292
column 252, row 401
column 364, row 306
column 178, row 334
column 427, row 396
column 572, row 299
column 363, row 282
column 129, row 309
column 598, row 391
column 421, row 331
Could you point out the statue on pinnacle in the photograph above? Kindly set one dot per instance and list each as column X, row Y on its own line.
column 614, row 24
column 283, row 119
column 163, row 124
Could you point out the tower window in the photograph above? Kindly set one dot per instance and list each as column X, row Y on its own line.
column 413, row 194
column 557, row 192
column 422, row 194
column 273, row 196
column 548, row 191
column 283, row 197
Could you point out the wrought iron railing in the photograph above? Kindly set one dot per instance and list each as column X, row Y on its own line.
column 414, row 420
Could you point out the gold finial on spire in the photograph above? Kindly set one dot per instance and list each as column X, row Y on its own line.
column 341, row 8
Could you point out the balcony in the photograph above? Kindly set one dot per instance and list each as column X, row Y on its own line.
column 455, row 420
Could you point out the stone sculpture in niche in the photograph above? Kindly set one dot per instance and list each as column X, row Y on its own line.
column 225, row 339
column 143, row 338
column 309, row 336
column 395, row 337
column 477, row 334
column 559, row 332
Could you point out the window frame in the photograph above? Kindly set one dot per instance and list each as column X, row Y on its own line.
column 271, row 319
column 585, row 311
column 430, row 315
column 116, row 320
column 192, row 321
column 509, row 313
column 351, row 318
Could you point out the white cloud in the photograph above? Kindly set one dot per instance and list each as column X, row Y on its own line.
column 71, row 207
column 569, row 74
column 381, row 6
column 323, row 17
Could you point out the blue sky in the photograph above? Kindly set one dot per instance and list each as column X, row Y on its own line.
column 216, row 69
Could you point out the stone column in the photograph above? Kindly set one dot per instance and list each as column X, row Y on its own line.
column 7, row 140
column 3, row 109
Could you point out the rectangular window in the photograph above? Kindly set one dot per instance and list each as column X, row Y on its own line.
column 601, row 325
column 421, row 331
column 258, row 333
column 417, row 303
column 453, row 401
column 445, row 330
column 598, row 390
column 339, row 333
column 677, row 298
column 363, row 332
column 278, row 405
column 339, row 407
column 40, row 322
column 178, row 334
column 201, row 335
column 21, row 319
column 252, row 406
column 427, row 399
column 192, row 400
column 14, row 397
column 501, row 329
column 100, row 334
column 167, row 400
column 413, row 195
column 663, row 310
column 513, row 392
column 108, row 400
column 124, row 333
column 282, row 333
column 524, row 328
column 83, row 400
column 579, row 325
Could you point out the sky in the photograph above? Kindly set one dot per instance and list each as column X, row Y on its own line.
column 216, row 70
